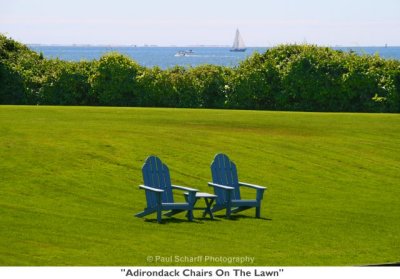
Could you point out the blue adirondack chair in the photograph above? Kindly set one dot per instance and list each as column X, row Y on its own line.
column 158, row 189
column 227, row 187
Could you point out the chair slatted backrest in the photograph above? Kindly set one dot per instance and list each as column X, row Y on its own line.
column 224, row 172
column 156, row 175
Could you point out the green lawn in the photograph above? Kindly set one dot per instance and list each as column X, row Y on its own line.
column 69, row 181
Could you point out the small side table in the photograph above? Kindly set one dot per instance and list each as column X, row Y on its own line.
column 208, row 199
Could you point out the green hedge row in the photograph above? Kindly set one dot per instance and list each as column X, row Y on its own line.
column 287, row 77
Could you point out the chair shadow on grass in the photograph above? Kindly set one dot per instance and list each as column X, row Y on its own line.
column 237, row 217
column 165, row 221
column 203, row 220
column 207, row 219
column 179, row 220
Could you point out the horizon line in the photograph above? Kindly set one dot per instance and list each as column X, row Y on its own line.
column 198, row 46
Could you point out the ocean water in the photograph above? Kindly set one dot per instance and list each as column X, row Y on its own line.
column 164, row 57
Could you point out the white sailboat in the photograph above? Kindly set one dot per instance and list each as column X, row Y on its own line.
column 238, row 43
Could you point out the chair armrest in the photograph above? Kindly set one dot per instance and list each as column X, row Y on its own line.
column 191, row 194
column 252, row 186
column 184, row 188
column 150, row 189
column 224, row 187
column 260, row 190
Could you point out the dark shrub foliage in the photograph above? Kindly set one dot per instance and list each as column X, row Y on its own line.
column 69, row 86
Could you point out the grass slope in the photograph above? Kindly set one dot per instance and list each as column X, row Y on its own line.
column 69, row 185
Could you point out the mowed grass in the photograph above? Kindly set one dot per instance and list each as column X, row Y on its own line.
column 69, row 181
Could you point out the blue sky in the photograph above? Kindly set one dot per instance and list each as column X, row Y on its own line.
column 205, row 22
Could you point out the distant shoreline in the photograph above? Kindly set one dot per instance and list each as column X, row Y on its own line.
column 194, row 46
column 88, row 45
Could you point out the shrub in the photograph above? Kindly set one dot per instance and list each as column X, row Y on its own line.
column 209, row 84
column 254, row 84
column 69, row 85
column 286, row 77
column 11, row 86
column 113, row 81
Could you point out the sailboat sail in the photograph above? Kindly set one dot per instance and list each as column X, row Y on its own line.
column 238, row 43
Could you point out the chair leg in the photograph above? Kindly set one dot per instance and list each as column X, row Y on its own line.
column 146, row 212
column 159, row 212
column 190, row 215
column 159, row 208
column 143, row 213
column 258, row 211
column 228, row 210
column 159, row 216
column 228, row 205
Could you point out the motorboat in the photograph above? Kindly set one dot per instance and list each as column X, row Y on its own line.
column 184, row 52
